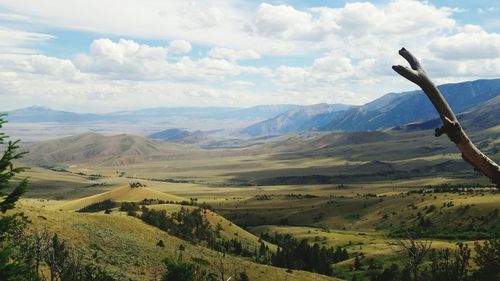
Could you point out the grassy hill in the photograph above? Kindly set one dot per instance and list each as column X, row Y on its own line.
column 128, row 246
column 105, row 150
column 229, row 229
column 120, row 194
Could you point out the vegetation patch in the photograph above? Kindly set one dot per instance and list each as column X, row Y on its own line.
column 99, row 206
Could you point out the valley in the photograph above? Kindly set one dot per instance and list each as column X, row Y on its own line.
column 358, row 191
column 263, row 200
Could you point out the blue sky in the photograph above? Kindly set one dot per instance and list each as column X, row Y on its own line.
column 97, row 56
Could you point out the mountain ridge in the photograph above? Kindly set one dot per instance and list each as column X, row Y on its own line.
column 413, row 106
column 295, row 120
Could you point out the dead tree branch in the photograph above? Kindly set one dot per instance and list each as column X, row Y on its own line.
column 412, row 253
column 451, row 127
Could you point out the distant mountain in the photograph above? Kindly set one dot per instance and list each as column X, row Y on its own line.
column 260, row 112
column 37, row 114
column 391, row 110
column 256, row 112
column 401, row 108
column 483, row 116
column 180, row 136
column 44, row 114
column 95, row 148
column 170, row 134
column 297, row 119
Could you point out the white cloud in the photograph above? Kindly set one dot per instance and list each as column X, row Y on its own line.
column 401, row 17
column 471, row 43
column 39, row 65
column 200, row 15
column 233, row 55
column 242, row 84
column 13, row 17
column 463, row 70
column 327, row 79
column 213, row 23
column 349, row 51
column 101, row 95
column 485, row 11
column 408, row 17
column 284, row 22
column 14, row 40
column 179, row 47
column 267, row 29
column 127, row 59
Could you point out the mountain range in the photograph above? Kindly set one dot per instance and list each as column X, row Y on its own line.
column 480, row 97
column 298, row 119
column 476, row 102
column 483, row 116
column 37, row 114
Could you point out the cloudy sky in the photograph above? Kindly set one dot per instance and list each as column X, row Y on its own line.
column 102, row 55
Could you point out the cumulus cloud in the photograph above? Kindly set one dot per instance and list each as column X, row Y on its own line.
column 327, row 78
column 40, row 65
column 127, row 59
column 123, row 59
column 233, row 55
column 284, row 22
column 350, row 50
column 179, row 47
column 401, row 17
column 471, row 43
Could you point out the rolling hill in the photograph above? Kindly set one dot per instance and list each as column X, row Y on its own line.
column 127, row 246
column 92, row 147
column 170, row 134
column 180, row 136
column 120, row 194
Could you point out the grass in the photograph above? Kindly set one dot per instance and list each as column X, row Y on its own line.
column 120, row 194
column 372, row 193
column 127, row 245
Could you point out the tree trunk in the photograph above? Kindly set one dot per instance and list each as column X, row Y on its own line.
column 451, row 127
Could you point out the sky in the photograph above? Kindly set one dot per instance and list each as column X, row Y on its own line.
column 102, row 55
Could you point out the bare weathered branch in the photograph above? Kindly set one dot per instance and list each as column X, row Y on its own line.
column 411, row 252
column 451, row 127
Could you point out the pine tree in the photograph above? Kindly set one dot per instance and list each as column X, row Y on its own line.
column 357, row 263
column 244, row 276
column 178, row 271
column 10, row 267
column 7, row 171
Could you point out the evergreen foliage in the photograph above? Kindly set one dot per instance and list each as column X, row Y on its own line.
column 295, row 254
column 11, row 268
column 99, row 206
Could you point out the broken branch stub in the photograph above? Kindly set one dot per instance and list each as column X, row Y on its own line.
column 451, row 127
